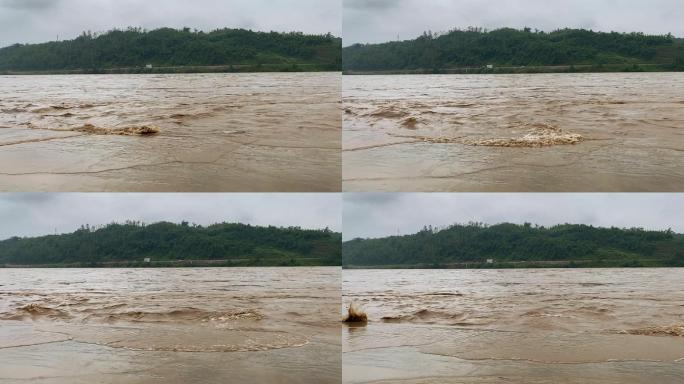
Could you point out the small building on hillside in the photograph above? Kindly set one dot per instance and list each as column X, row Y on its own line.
column 148, row 66
column 147, row 260
column 490, row 261
column 490, row 66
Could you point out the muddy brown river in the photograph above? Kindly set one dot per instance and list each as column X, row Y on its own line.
column 548, row 132
column 246, row 325
column 183, row 132
column 609, row 326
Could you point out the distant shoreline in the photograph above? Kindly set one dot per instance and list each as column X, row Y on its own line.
column 589, row 68
column 237, row 68
column 575, row 264
column 228, row 263
column 509, row 50
column 168, row 50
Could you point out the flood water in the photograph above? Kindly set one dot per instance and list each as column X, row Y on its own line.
column 216, row 132
column 547, row 132
column 242, row 325
column 523, row 326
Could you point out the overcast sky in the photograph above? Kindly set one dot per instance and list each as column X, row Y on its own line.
column 374, row 21
column 378, row 215
column 31, row 21
column 40, row 214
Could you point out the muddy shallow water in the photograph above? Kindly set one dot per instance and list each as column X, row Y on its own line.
column 550, row 132
column 183, row 132
column 523, row 326
column 249, row 325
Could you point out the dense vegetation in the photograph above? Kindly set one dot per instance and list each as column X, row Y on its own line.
column 135, row 48
column 511, row 245
column 169, row 244
column 476, row 48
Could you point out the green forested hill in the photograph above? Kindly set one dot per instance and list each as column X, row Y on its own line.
column 511, row 245
column 167, row 243
column 516, row 48
column 168, row 47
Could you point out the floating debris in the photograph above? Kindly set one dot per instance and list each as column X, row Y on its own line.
column 235, row 132
column 542, row 135
column 355, row 315
column 672, row 330
column 410, row 122
column 145, row 130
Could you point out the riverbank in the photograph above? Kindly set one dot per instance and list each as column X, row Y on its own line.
column 276, row 262
column 238, row 68
column 605, row 68
column 630, row 263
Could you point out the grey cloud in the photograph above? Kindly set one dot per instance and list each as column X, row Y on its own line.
column 29, row 198
column 372, row 5
column 377, row 215
column 39, row 214
column 372, row 198
column 29, row 4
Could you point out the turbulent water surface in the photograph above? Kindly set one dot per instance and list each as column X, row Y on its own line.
column 198, row 132
column 515, row 326
column 246, row 325
column 550, row 132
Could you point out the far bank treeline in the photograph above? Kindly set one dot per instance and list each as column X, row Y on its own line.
column 184, row 50
column 477, row 245
column 168, row 245
column 511, row 50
